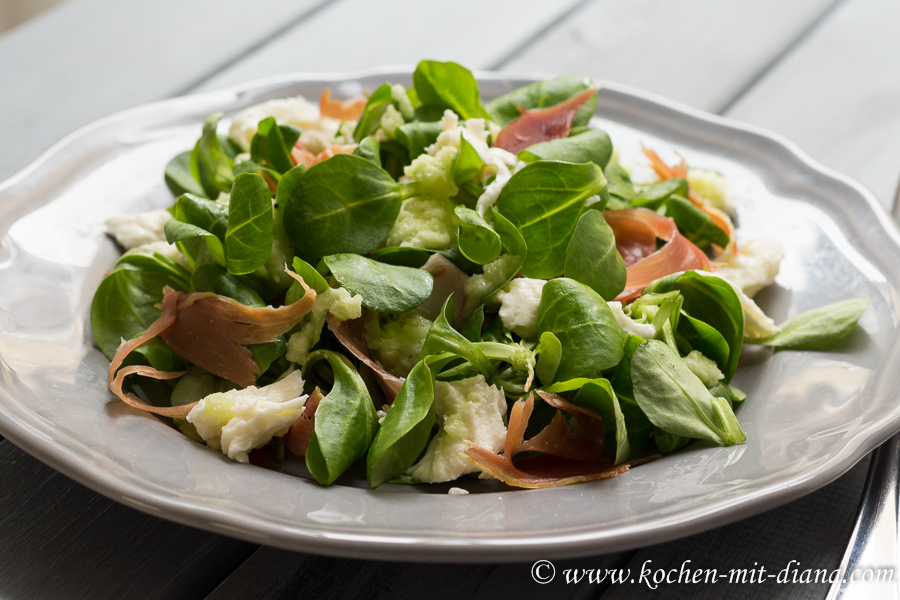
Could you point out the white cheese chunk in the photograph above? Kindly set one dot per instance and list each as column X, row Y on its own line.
column 138, row 229
column 755, row 265
column 238, row 421
column 317, row 131
column 519, row 304
column 467, row 410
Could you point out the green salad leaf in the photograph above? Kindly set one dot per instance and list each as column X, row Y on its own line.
column 542, row 94
column 273, row 144
column 346, row 423
column 210, row 161
column 345, row 204
column 477, row 241
column 443, row 338
column 370, row 149
column 593, row 146
column 819, row 328
column 713, row 301
column 248, row 240
column 310, row 276
column 448, row 85
column 592, row 257
column 404, row 432
column 695, row 224
column 210, row 277
column 194, row 218
column 549, row 356
column 125, row 304
column 544, row 200
column 657, row 194
column 585, row 326
column 467, row 163
column 704, row 338
column 383, row 287
column 621, row 190
column 417, row 136
column 370, row 118
column 639, row 427
column 676, row 401
column 179, row 178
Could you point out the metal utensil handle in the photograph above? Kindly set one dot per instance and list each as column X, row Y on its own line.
column 874, row 543
column 873, row 549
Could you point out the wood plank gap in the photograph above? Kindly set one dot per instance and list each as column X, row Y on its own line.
column 784, row 54
column 622, row 561
column 281, row 31
column 541, row 33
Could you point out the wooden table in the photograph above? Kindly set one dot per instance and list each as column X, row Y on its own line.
column 824, row 73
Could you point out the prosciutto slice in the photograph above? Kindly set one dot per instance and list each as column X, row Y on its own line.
column 581, row 441
column 636, row 231
column 297, row 438
column 212, row 332
column 722, row 220
column 336, row 109
column 542, row 124
column 551, row 468
column 300, row 155
column 352, row 336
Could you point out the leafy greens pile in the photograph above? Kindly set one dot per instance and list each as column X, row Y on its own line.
column 453, row 278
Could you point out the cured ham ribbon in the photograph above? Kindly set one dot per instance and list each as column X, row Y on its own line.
column 336, row 109
column 297, row 438
column 300, row 155
column 722, row 220
column 542, row 124
column 352, row 336
column 569, row 454
column 210, row 331
column 636, row 231
column 448, row 279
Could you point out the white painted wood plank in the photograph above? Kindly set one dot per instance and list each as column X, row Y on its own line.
column 700, row 52
column 838, row 95
column 355, row 34
column 88, row 58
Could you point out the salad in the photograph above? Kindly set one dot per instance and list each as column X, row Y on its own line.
column 420, row 286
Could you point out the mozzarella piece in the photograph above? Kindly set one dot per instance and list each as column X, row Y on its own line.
column 238, row 421
column 139, row 229
column 467, row 410
column 756, row 265
column 519, row 304
column 317, row 131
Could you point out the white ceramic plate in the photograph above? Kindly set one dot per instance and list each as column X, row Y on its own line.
column 810, row 415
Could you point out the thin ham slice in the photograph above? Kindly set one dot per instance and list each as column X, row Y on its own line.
column 583, row 440
column 722, row 220
column 448, row 279
column 352, row 336
column 636, row 231
column 212, row 332
column 546, row 470
column 336, row 109
column 300, row 155
column 297, row 438
column 542, row 124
